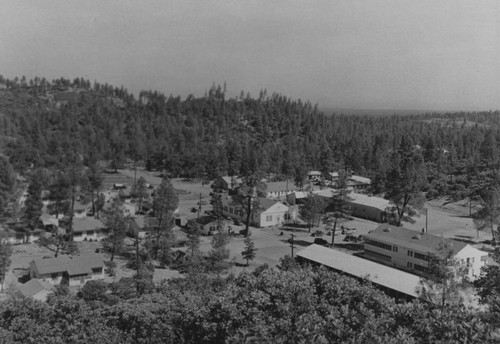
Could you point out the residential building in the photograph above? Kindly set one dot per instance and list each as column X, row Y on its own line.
column 209, row 225
column 314, row 176
column 36, row 289
column 72, row 271
column 226, row 183
column 80, row 210
column 358, row 182
column 88, row 228
column 279, row 190
column 411, row 250
column 269, row 212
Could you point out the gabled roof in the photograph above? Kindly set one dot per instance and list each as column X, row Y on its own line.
column 266, row 203
column 412, row 239
column 385, row 276
column 73, row 265
column 361, row 180
column 205, row 220
column 280, row 186
column 371, row 201
column 228, row 180
column 86, row 224
column 33, row 287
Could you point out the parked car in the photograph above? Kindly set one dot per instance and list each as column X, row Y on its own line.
column 320, row 241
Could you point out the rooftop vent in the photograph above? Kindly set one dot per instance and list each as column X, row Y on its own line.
column 387, row 229
column 416, row 237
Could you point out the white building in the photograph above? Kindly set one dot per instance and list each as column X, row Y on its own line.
column 268, row 213
column 411, row 250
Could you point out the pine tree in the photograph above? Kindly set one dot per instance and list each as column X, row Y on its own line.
column 5, row 253
column 250, row 251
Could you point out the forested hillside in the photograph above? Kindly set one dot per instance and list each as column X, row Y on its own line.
column 203, row 137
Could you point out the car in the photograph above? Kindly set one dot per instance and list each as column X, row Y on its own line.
column 237, row 222
column 320, row 241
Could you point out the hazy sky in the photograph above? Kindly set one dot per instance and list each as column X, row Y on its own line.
column 433, row 55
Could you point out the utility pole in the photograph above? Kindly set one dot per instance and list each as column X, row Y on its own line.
column 292, row 242
column 199, row 206
column 426, row 213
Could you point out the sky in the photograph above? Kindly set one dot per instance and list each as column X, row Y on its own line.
column 441, row 55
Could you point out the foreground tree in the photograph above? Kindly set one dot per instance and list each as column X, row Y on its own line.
column 338, row 211
column 164, row 204
column 219, row 255
column 33, row 204
column 249, row 252
column 116, row 225
column 312, row 209
column 140, row 191
column 5, row 253
column 488, row 216
column 7, row 181
column 247, row 198
column 445, row 278
column 405, row 182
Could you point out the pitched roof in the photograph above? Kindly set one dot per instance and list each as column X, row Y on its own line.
column 413, row 239
column 280, row 186
column 73, row 265
column 360, row 180
column 377, row 273
column 86, row 224
column 266, row 203
column 33, row 287
column 371, row 201
column 205, row 220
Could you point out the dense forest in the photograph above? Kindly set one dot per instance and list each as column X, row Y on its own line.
column 58, row 135
column 208, row 136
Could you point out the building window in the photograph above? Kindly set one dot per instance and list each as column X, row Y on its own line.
column 419, row 268
column 54, row 276
column 410, row 253
column 269, row 218
column 422, row 256
column 409, row 265
column 378, row 244
column 231, row 211
column 394, row 248
column 225, row 208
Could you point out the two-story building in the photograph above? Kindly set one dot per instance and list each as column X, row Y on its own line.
column 411, row 250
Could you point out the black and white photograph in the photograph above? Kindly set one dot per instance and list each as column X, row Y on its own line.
column 219, row 172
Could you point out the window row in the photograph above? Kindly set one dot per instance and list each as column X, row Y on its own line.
column 379, row 244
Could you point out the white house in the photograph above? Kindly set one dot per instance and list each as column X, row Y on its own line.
column 269, row 212
column 73, row 271
column 411, row 250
